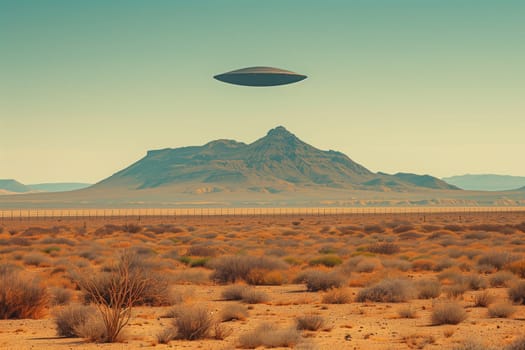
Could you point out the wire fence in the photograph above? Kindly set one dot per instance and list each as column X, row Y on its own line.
column 172, row 213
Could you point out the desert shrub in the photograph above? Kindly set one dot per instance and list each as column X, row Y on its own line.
column 263, row 277
column 234, row 292
column 483, row 299
column 374, row 228
column 410, row 235
column 234, row 268
column 337, row 296
column 60, row 296
column 201, row 250
column 234, row 312
column 268, row 335
column 131, row 228
column 407, row 311
column 326, row 260
column 117, row 291
column 20, row 295
column 388, row 290
column 192, row 322
column 254, row 296
column 518, row 344
column 496, row 260
column 69, row 318
column 501, row 279
column 447, row 313
column 317, row 280
column 454, row 227
column 94, row 329
column 423, row 265
column 516, row 292
column 479, row 235
column 384, row 248
column 166, row 335
column 456, row 290
column 428, row 288
column 443, row 264
column 367, row 265
column 309, row 322
column 35, row 259
column 475, row 282
column 472, row 345
column 501, row 310
column 517, row 267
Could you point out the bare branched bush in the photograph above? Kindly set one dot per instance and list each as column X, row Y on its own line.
column 310, row 322
column 68, row 319
column 116, row 292
column 268, row 335
column 20, row 295
column 448, row 313
column 388, row 291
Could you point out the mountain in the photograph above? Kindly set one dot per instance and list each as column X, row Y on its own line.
column 278, row 162
column 486, row 182
column 58, row 186
column 13, row 186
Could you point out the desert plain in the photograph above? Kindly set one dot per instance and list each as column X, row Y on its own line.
column 417, row 280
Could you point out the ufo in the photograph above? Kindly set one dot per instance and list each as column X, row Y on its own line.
column 260, row 76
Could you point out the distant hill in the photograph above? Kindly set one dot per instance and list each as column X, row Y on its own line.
column 278, row 162
column 58, row 186
column 487, row 182
column 13, row 186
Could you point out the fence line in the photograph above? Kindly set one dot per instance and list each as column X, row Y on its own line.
column 30, row 214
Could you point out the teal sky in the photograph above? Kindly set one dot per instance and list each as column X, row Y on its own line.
column 423, row 86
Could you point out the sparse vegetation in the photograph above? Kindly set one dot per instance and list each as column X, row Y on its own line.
column 268, row 335
column 448, row 313
column 310, row 322
column 317, row 280
column 387, row 291
column 337, row 296
column 192, row 322
column 501, row 310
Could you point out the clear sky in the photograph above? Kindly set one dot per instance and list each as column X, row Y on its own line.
column 423, row 86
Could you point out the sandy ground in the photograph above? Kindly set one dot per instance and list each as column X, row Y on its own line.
column 370, row 325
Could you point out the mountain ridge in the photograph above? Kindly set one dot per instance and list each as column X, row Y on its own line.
column 277, row 162
column 487, row 182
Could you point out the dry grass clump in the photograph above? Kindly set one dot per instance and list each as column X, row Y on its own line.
column 234, row 268
column 475, row 282
column 234, row 312
column 448, row 312
column 94, row 329
column 326, row 260
column 337, row 296
column 310, row 322
column 501, row 310
column 70, row 319
column 483, row 299
column 516, row 292
column 60, row 296
column 268, row 335
column 254, row 296
column 264, row 277
column 192, row 322
column 517, row 267
column 390, row 290
column 20, row 295
column 234, row 292
column 35, row 259
column 428, row 288
column 166, row 335
column 317, row 280
column 407, row 311
column 386, row 248
column 472, row 345
column 456, row 290
column 496, row 260
column 418, row 341
column 501, row 279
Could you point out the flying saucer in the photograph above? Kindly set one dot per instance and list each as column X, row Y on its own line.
column 260, row 76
